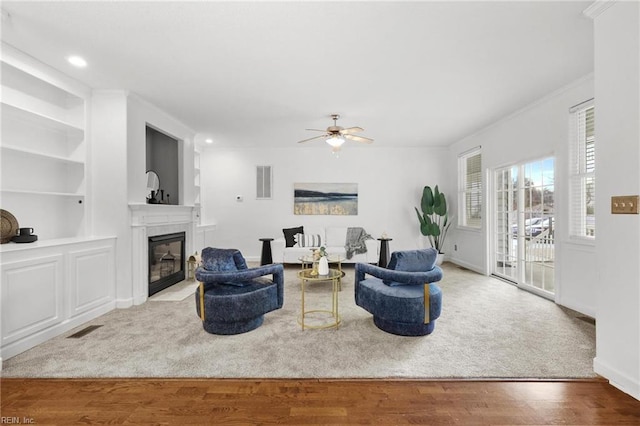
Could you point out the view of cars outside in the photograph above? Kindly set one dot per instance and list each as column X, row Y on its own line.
column 535, row 226
column 540, row 226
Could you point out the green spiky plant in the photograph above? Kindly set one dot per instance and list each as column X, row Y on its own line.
column 434, row 218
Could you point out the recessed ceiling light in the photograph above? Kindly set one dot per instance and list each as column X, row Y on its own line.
column 208, row 140
column 77, row 61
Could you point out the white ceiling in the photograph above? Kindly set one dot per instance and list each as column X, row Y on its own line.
column 260, row 73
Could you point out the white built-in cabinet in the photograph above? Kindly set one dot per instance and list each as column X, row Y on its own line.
column 48, row 289
column 67, row 277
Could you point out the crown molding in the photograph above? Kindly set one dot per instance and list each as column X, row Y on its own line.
column 597, row 8
column 546, row 98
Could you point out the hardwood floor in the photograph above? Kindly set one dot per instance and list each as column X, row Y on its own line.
column 311, row 401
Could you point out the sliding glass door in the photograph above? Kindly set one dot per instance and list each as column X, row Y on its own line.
column 523, row 231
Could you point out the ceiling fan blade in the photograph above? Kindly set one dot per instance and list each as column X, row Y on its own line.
column 313, row 138
column 358, row 138
column 350, row 130
column 317, row 130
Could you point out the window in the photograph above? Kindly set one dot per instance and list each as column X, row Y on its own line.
column 470, row 189
column 582, row 171
column 263, row 182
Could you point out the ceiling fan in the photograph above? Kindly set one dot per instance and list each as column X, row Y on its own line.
column 336, row 135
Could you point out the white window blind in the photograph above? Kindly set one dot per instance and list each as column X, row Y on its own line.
column 582, row 171
column 263, row 182
column 470, row 189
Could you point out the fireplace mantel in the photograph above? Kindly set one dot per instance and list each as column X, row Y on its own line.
column 160, row 214
column 149, row 220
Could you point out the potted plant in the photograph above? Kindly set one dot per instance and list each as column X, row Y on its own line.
column 434, row 218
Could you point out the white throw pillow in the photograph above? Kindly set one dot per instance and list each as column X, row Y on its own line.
column 307, row 240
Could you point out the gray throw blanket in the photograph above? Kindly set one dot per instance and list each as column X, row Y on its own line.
column 355, row 241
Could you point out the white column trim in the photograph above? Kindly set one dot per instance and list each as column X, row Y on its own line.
column 597, row 8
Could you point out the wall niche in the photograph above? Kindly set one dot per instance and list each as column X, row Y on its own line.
column 163, row 158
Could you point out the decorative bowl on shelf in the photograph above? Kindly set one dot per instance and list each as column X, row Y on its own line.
column 9, row 226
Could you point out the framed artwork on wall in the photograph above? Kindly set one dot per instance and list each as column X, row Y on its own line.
column 325, row 199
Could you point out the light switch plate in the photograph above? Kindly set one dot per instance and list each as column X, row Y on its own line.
column 624, row 204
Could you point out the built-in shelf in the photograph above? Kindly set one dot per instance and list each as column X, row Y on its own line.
column 32, row 153
column 45, row 193
column 18, row 108
column 43, row 146
column 43, row 181
column 53, row 242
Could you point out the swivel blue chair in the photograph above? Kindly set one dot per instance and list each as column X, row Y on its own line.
column 231, row 298
column 403, row 297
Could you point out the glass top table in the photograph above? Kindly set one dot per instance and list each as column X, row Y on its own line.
column 307, row 262
column 331, row 258
column 308, row 276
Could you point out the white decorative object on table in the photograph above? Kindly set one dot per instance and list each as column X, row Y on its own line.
column 323, row 266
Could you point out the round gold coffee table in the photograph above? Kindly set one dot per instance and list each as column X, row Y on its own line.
column 308, row 261
column 307, row 277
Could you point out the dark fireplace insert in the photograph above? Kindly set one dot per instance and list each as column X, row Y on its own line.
column 166, row 261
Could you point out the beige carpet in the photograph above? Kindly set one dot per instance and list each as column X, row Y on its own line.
column 488, row 329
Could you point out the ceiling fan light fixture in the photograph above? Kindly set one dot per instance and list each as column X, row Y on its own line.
column 335, row 141
column 335, row 136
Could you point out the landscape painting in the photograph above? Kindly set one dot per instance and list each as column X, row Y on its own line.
column 325, row 198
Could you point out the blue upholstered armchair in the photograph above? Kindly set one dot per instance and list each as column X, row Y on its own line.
column 232, row 298
column 402, row 298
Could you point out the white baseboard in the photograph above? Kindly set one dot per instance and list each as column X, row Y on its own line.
column 474, row 268
column 124, row 303
column 616, row 378
column 28, row 342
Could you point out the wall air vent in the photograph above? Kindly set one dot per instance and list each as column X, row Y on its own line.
column 263, row 182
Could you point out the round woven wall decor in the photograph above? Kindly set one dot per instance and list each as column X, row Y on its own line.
column 9, row 226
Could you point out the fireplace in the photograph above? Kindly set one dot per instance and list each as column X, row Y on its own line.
column 166, row 261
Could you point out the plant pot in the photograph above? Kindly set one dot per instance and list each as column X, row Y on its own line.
column 440, row 259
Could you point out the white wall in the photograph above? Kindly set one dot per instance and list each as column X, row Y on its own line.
column 119, row 121
column 390, row 182
column 617, row 87
column 538, row 131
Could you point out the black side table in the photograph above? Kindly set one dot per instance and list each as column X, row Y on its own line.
column 384, row 252
column 266, row 258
